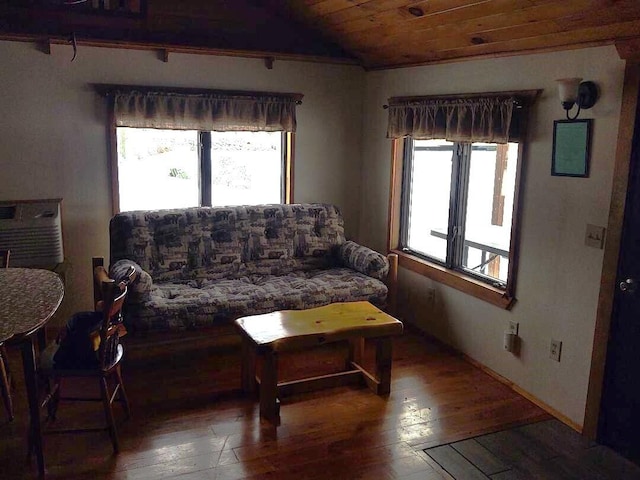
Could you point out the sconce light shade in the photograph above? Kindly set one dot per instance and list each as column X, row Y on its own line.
column 568, row 90
column 574, row 91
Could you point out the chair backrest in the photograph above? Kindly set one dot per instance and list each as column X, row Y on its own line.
column 4, row 258
column 113, row 296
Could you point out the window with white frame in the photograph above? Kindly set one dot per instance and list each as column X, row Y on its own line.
column 457, row 173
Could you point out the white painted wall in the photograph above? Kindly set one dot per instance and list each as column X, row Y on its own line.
column 558, row 280
column 54, row 145
column 54, row 141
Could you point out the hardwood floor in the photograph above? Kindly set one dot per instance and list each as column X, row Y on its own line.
column 191, row 421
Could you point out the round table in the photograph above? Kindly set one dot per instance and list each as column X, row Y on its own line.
column 28, row 299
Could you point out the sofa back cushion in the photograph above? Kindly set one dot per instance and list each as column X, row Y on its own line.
column 216, row 242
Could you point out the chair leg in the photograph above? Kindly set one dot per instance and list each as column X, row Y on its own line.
column 52, row 405
column 5, row 385
column 123, row 393
column 5, row 357
column 108, row 412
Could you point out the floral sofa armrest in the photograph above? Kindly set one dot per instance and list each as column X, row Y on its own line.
column 364, row 260
column 140, row 288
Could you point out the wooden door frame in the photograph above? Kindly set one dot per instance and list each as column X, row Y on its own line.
column 631, row 89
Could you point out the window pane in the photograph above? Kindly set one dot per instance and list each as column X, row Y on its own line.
column 492, row 179
column 246, row 168
column 430, row 189
column 157, row 168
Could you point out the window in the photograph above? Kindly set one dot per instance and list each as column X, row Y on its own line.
column 457, row 205
column 455, row 187
column 184, row 147
column 159, row 168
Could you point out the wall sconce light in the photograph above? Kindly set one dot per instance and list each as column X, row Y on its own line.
column 573, row 91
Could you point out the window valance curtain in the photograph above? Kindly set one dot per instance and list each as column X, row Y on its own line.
column 495, row 118
column 186, row 109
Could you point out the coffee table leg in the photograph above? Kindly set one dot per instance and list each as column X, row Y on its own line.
column 248, row 375
column 356, row 352
column 383, row 365
column 269, row 387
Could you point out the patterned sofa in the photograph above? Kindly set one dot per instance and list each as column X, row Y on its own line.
column 198, row 265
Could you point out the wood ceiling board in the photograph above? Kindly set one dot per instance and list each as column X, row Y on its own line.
column 623, row 10
column 389, row 9
column 449, row 10
column 590, row 36
column 330, row 6
column 453, row 42
column 475, row 27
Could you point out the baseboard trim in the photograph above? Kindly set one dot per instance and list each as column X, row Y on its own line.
column 505, row 381
column 532, row 398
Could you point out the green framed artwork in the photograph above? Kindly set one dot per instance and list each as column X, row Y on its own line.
column 571, row 148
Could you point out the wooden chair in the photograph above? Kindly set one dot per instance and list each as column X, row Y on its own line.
column 6, row 382
column 105, row 366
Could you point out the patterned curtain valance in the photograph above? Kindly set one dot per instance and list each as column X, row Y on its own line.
column 491, row 118
column 190, row 109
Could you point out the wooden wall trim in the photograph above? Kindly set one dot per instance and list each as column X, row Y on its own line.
column 629, row 49
column 166, row 49
column 112, row 155
column 290, row 167
column 395, row 189
column 630, row 92
column 454, row 279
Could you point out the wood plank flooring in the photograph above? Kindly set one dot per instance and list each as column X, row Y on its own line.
column 190, row 420
column 547, row 450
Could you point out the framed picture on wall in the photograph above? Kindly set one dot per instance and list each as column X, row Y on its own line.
column 571, row 148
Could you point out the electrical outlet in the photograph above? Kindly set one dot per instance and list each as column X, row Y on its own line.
column 554, row 351
column 513, row 327
column 430, row 295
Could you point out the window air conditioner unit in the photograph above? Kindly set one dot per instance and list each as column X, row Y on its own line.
column 32, row 230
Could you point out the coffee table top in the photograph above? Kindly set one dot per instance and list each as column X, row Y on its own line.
column 291, row 329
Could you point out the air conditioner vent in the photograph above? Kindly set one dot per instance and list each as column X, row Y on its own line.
column 32, row 230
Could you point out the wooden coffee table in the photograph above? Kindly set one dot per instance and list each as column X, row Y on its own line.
column 269, row 334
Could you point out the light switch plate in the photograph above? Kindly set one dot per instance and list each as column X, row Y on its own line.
column 594, row 236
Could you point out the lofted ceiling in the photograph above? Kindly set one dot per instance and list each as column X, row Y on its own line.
column 372, row 33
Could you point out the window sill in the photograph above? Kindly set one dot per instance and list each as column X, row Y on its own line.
column 457, row 280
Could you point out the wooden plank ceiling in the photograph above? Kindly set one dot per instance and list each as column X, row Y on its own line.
column 373, row 33
column 390, row 33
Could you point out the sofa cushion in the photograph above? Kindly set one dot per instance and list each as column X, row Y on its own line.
column 189, row 243
column 180, row 305
column 140, row 288
column 364, row 260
